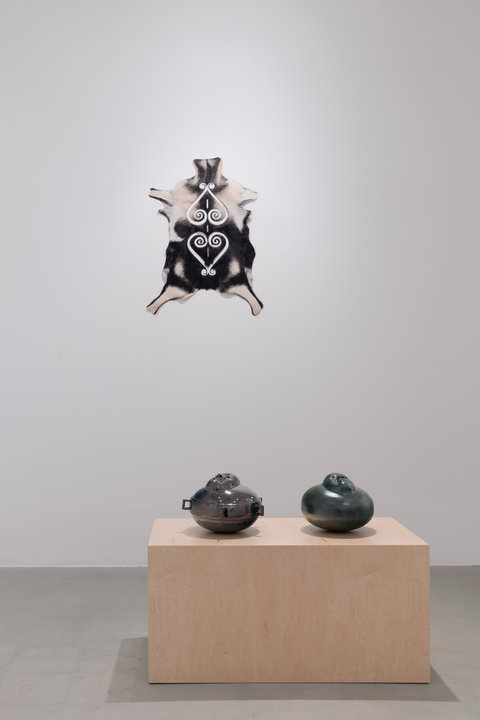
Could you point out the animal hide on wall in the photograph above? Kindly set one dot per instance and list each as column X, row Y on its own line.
column 209, row 245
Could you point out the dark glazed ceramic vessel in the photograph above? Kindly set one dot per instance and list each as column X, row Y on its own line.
column 224, row 505
column 337, row 505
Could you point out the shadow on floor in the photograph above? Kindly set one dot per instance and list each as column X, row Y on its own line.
column 129, row 684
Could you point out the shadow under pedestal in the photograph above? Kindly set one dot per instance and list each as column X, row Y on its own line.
column 129, row 684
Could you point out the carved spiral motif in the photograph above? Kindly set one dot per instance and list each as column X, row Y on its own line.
column 200, row 240
column 216, row 215
column 198, row 216
column 215, row 239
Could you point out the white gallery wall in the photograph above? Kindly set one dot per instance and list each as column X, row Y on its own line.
column 358, row 125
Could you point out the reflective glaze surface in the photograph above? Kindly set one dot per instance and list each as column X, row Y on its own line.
column 337, row 505
column 224, row 505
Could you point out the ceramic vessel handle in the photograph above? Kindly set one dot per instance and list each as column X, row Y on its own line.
column 187, row 505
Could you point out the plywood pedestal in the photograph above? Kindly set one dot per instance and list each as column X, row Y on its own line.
column 285, row 602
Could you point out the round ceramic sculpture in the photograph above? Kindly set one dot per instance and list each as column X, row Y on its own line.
column 224, row 505
column 337, row 505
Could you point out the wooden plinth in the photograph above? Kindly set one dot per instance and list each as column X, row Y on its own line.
column 285, row 602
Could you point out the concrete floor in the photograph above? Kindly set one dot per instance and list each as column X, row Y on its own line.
column 73, row 645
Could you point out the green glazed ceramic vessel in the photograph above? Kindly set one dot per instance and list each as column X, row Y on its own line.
column 337, row 505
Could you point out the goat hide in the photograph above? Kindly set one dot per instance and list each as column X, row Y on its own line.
column 209, row 246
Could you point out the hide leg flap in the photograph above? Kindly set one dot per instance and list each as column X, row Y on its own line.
column 169, row 292
column 244, row 291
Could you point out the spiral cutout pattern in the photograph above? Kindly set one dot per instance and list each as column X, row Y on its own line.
column 200, row 240
column 198, row 216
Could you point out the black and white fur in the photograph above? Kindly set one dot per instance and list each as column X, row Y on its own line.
column 186, row 270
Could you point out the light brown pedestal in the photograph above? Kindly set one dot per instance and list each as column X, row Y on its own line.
column 286, row 602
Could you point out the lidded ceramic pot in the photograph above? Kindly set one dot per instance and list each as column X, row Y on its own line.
column 337, row 504
column 224, row 505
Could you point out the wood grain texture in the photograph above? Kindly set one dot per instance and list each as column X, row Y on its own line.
column 288, row 603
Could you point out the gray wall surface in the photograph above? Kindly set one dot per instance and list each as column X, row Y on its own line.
column 358, row 125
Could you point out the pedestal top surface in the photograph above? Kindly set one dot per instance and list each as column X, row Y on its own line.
column 279, row 532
